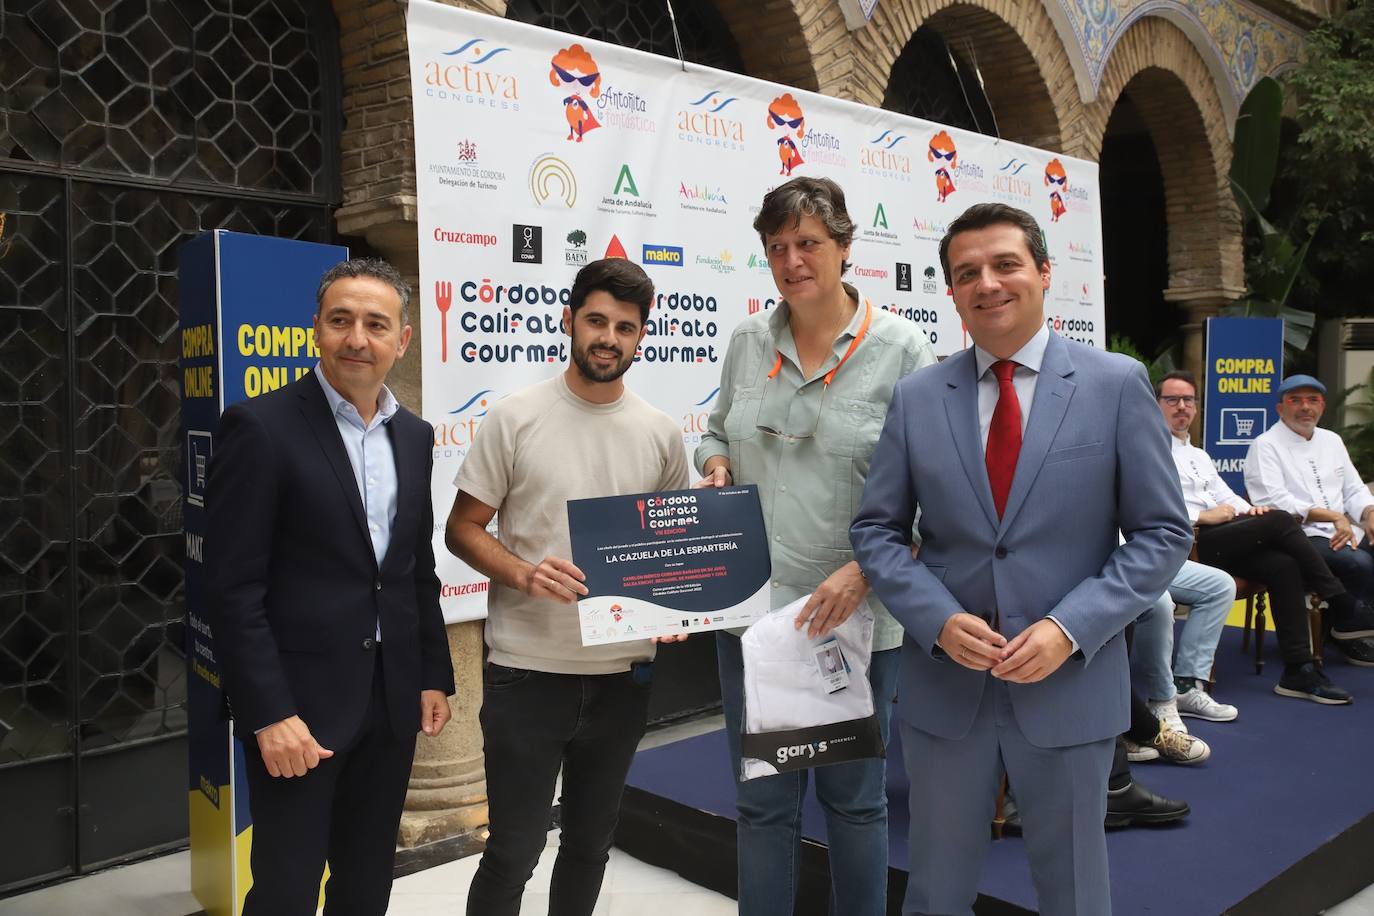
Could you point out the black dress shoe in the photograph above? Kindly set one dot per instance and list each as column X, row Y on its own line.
column 1138, row 806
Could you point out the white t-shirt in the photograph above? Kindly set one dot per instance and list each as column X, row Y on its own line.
column 1203, row 487
column 1297, row 475
column 537, row 449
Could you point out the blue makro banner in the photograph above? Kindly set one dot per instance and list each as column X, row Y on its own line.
column 1243, row 367
column 246, row 305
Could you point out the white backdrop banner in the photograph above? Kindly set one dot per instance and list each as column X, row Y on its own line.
column 536, row 152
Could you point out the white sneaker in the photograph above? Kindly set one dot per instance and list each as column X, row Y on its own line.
column 1167, row 713
column 1139, row 753
column 1199, row 704
column 1180, row 747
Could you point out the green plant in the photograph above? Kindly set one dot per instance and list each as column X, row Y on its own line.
column 1157, row 367
column 1272, row 274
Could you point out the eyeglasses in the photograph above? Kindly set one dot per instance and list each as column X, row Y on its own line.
column 941, row 154
column 1304, row 400
column 569, row 78
column 1173, row 400
column 784, row 122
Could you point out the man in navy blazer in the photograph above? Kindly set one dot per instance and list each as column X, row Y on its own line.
column 325, row 605
column 1024, row 455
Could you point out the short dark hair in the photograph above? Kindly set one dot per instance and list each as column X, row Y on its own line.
column 822, row 198
column 1182, row 375
column 981, row 216
column 624, row 280
column 375, row 268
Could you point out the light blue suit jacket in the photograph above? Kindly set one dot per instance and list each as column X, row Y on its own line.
column 1094, row 459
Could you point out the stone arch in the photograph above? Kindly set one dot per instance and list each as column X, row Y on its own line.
column 1029, row 80
column 1173, row 89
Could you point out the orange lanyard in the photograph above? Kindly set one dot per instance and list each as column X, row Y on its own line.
column 853, row 345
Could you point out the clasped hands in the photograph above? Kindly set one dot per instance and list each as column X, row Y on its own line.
column 1033, row 655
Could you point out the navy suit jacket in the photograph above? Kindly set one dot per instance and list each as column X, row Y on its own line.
column 296, row 592
column 1094, row 460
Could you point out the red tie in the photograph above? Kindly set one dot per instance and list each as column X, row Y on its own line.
column 1004, row 435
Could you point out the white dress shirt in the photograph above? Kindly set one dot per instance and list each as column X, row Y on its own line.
column 373, row 461
column 1023, row 379
column 1203, row 487
column 1297, row 475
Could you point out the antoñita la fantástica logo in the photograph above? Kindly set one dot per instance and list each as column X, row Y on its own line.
column 573, row 69
column 785, row 112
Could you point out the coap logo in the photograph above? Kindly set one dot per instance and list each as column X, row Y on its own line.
column 468, row 76
column 574, row 67
column 786, row 112
column 1057, row 180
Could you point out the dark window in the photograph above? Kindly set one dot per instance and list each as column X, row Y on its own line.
column 926, row 83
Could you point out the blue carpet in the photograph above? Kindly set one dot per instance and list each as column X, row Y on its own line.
column 1285, row 778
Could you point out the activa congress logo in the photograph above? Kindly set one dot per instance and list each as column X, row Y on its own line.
column 625, row 198
column 472, row 74
column 708, row 121
column 694, row 421
column 662, row 255
column 453, row 435
column 885, row 156
column 1008, row 183
column 552, row 179
column 573, row 69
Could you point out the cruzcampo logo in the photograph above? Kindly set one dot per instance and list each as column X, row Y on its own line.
column 880, row 217
column 625, row 182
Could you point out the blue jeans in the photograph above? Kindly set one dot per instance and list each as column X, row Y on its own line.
column 1209, row 593
column 853, row 795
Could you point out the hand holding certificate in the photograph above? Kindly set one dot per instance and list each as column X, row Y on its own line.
column 664, row 564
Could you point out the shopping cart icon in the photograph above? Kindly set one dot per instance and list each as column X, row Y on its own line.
column 1242, row 425
column 199, row 448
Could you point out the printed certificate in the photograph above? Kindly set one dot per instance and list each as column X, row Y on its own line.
column 660, row 564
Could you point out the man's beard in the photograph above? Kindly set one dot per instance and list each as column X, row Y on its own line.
column 592, row 373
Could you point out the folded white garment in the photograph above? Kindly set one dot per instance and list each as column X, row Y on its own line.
column 785, row 687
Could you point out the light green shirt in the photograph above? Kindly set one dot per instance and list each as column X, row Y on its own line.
column 811, row 478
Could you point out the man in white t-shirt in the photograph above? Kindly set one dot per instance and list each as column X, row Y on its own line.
column 548, row 702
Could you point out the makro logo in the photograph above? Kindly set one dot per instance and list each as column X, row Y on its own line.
column 1057, row 180
column 1008, row 182
column 454, row 433
column 471, row 75
column 552, row 179
column 785, row 112
column 669, row 255
column 945, row 156
column 572, row 70
column 706, row 121
column 885, row 157
column 459, row 237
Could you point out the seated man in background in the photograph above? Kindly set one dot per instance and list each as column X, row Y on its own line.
column 1269, row 547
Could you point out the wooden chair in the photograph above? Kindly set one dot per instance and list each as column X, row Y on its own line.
column 1255, row 594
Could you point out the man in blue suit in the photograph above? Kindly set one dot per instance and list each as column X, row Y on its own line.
column 1024, row 455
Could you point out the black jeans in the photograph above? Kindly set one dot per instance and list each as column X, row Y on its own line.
column 533, row 723
column 1272, row 548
